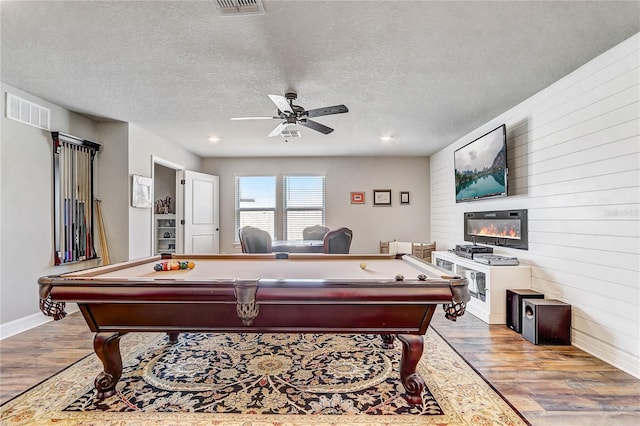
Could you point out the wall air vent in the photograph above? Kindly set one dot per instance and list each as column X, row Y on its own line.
column 27, row 112
column 290, row 134
column 239, row 7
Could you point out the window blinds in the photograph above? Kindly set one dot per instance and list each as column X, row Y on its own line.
column 304, row 204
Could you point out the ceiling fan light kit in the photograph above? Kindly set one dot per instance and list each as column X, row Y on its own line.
column 295, row 114
column 290, row 134
column 239, row 7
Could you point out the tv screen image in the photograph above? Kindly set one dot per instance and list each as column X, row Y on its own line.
column 481, row 167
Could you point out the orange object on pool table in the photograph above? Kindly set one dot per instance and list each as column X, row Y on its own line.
column 245, row 293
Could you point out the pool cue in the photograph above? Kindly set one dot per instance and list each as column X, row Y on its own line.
column 100, row 227
column 85, row 182
column 68, row 187
column 90, row 228
column 74, row 205
column 87, row 212
column 78, row 216
column 63, row 229
column 60, row 242
column 103, row 237
column 65, row 202
column 87, row 208
column 83, row 226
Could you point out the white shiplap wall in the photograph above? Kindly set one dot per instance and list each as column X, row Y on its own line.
column 574, row 163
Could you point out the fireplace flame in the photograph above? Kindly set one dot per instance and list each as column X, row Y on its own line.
column 492, row 230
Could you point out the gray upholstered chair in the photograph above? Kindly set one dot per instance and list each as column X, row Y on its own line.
column 338, row 241
column 254, row 240
column 315, row 232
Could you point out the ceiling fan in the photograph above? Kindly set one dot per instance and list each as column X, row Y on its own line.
column 295, row 114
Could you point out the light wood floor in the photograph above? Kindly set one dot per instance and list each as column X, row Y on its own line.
column 549, row 385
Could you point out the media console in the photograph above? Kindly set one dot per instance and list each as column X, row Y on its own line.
column 487, row 284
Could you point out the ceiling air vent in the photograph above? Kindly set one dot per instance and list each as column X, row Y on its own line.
column 239, row 7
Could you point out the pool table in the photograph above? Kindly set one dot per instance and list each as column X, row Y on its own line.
column 386, row 294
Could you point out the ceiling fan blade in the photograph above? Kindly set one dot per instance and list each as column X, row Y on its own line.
column 336, row 109
column 281, row 103
column 278, row 129
column 253, row 118
column 316, row 126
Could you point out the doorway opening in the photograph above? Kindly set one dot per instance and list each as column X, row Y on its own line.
column 167, row 208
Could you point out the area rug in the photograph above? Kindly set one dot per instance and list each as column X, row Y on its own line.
column 264, row 379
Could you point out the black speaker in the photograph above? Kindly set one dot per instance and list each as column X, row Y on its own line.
column 514, row 306
column 546, row 322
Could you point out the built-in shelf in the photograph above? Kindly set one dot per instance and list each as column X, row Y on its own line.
column 488, row 284
column 165, row 233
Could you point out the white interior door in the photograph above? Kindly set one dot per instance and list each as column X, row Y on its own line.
column 201, row 213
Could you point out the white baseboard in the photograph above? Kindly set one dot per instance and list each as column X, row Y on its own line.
column 622, row 360
column 23, row 324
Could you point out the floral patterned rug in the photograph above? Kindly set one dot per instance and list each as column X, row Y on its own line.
column 265, row 379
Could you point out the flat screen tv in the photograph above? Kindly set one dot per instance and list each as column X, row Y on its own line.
column 481, row 167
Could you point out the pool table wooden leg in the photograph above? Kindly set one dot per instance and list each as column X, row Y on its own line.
column 107, row 348
column 412, row 346
column 173, row 337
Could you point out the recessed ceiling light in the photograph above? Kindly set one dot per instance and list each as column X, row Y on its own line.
column 386, row 138
column 214, row 139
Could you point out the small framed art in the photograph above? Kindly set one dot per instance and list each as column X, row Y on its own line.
column 141, row 191
column 404, row 197
column 357, row 198
column 381, row 197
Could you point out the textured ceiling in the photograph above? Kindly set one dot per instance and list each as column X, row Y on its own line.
column 423, row 72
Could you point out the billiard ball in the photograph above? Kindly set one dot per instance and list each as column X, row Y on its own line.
column 399, row 277
column 174, row 265
column 363, row 265
column 422, row 277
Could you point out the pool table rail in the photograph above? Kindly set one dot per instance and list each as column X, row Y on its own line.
column 114, row 302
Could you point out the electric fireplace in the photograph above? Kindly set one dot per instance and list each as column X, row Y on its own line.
column 506, row 228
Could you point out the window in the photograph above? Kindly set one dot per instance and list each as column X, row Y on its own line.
column 303, row 204
column 256, row 203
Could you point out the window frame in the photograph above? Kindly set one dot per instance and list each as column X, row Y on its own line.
column 286, row 209
column 280, row 208
column 238, row 210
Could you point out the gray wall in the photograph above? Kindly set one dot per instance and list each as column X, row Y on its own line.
column 26, row 201
column 112, row 183
column 574, row 163
column 343, row 175
column 144, row 147
column 26, row 205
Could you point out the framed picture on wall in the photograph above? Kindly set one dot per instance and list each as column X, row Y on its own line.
column 357, row 198
column 404, row 197
column 141, row 192
column 381, row 197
